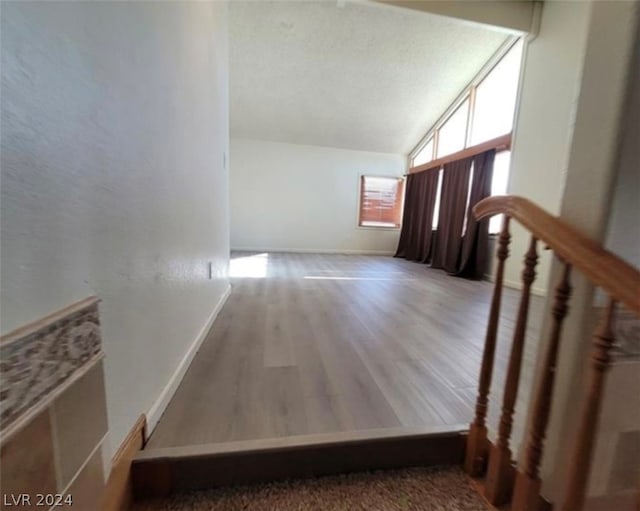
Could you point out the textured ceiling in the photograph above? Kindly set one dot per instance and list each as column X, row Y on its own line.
column 348, row 75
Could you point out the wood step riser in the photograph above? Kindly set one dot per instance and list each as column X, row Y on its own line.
column 163, row 475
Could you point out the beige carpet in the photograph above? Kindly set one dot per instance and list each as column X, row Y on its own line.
column 432, row 489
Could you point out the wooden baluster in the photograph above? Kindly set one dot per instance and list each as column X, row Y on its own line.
column 500, row 472
column 581, row 459
column 527, row 489
column 476, row 453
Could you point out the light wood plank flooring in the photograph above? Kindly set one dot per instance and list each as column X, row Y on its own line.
column 330, row 343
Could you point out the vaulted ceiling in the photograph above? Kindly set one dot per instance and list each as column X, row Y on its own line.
column 350, row 75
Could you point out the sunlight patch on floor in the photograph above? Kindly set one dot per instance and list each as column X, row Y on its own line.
column 324, row 277
column 253, row 266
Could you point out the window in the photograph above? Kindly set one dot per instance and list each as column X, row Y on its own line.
column 425, row 155
column 486, row 111
column 499, row 185
column 436, row 207
column 495, row 100
column 453, row 133
column 380, row 201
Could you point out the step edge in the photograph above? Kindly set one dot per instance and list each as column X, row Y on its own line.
column 297, row 442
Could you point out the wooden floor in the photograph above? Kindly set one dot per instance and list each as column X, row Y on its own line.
column 332, row 343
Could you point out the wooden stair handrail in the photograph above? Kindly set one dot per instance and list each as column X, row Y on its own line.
column 621, row 282
column 616, row 277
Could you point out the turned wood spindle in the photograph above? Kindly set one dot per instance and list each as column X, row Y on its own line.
column 500, row 472
column 476, row 453
column 527, row 489
column 581, row 459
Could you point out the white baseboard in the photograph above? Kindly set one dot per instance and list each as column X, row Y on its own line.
column 514, row 284
column 346, row 251
column 538, row 291
column 158, row 408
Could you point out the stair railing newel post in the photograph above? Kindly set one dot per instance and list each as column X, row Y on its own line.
column 477, row 443
column 527, row 488
column 499, row 484
column 580, row 461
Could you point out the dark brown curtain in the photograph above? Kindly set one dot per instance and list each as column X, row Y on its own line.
column 420, row 198
column 475, row 244
column 453, row 202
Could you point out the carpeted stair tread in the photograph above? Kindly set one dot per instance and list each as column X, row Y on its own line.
column 424, row 489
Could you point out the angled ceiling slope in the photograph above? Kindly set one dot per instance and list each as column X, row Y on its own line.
column 358, row 76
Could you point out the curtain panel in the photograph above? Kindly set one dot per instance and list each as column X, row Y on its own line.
column 416, row 233
column 474, row 255
column 453, row 207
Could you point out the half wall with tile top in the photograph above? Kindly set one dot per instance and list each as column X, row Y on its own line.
column 53, row 416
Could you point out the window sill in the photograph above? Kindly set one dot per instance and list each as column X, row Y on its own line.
column 377, row 227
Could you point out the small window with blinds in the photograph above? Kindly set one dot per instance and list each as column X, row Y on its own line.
column 380, row 201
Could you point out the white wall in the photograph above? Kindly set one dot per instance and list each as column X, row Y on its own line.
column 567, row 133
column 622, row 235
column 586, row 202
column 114, row 125
column 544, row 122
column 300, row 197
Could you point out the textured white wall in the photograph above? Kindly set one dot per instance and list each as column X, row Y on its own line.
column 114, row 125
column 300, row 197
column 544, row 124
